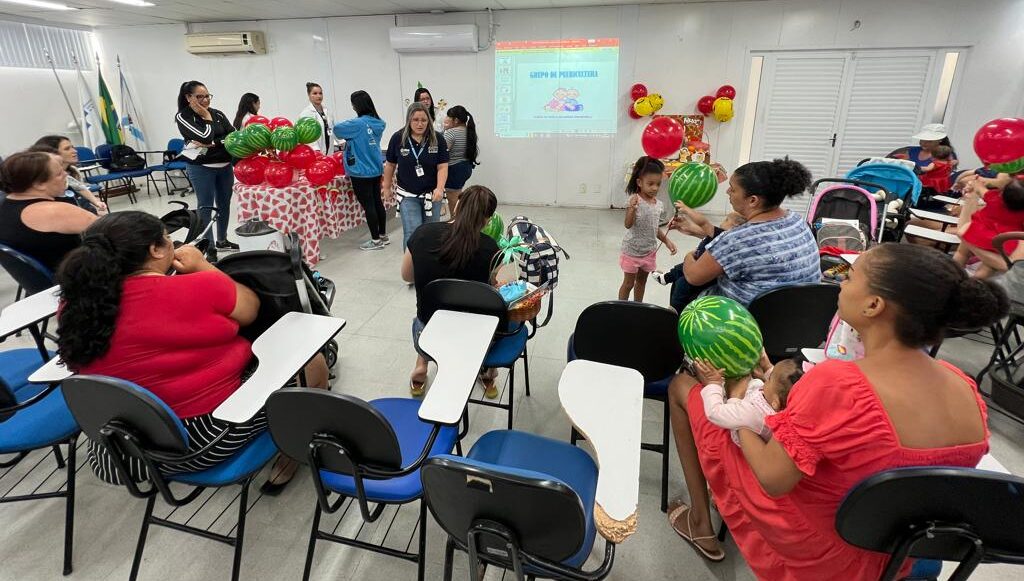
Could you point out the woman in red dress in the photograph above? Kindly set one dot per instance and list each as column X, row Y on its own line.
column 843, row 422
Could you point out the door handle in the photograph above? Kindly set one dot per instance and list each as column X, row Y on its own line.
column 834, row 135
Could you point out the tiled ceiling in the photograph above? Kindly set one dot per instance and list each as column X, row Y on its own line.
column 98, row 13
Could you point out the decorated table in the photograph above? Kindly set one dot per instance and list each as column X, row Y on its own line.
column 312, row 212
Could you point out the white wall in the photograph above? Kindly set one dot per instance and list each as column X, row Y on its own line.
column 683, row 51
column 33, row 106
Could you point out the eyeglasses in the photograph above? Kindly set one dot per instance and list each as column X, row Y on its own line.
column 208, row 97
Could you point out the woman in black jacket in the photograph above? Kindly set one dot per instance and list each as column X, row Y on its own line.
column 210, row 172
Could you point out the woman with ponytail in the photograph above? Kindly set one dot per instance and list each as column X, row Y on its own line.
column 453, row 249
column 177, row 336
column 843, row 422
column 460, row 135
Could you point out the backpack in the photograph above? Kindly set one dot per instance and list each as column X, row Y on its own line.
column 124, row 158
column 541, row 264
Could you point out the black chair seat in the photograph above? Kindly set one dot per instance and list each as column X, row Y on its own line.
column 794, row 317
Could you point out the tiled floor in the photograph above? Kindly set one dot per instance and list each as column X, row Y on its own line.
column 376, row 357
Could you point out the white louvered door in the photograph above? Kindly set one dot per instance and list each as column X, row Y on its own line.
column 798, row 110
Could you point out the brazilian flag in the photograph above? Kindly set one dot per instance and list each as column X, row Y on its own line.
column 111, row 127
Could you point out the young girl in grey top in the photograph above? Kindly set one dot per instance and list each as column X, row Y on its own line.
column 643, row 212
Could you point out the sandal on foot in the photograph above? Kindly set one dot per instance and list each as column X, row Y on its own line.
column 687, row 535
column 416, row 387
column 490, row 389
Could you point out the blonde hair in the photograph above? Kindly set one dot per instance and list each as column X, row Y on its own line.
column 431, row 135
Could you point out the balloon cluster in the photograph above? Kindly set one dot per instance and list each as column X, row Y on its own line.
column 719, row 105
column 1000, row 145
column 644, row 104
column 275, row 150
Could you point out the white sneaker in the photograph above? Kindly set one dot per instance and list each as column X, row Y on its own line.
column 385, row 239
column 659, row 277
column 372, row 245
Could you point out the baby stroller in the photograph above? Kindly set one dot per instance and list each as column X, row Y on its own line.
column 901, row 187
column 184, row 226
column 844, row 218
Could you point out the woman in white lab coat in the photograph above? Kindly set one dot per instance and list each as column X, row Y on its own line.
column 317, row 111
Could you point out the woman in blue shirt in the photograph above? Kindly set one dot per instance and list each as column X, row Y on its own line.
column 417, row 160
column 363, row 165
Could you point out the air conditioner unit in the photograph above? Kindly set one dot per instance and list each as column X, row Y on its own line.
column 226, row 43
column 450, row 38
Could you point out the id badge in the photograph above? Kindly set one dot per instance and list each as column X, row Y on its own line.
column 419, row 171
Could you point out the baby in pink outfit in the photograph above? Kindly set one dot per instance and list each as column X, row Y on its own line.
column 760, row 399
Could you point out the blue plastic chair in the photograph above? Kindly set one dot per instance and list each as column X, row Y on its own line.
column 114, row 178
column 34, row 417
column 29, row 273
column 133, row 425
column 367, row 451
column 639, row 336
column 518, row 501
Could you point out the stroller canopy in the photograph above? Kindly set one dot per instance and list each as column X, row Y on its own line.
column 899, row 181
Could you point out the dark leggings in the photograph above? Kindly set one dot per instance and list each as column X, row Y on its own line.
column 368, row 193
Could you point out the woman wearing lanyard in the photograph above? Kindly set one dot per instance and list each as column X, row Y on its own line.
column 417, row 157
column 316, row 110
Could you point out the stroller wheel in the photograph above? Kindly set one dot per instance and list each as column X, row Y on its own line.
column 331, row 354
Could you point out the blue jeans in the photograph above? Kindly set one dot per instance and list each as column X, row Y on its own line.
column 413, row 215
column 213, row 189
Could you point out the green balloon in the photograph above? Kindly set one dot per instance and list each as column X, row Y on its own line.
column 495, row 227
column 257, row 136
column 308, row 129
column 284, row 139
column 237, row 146
column 693, row 184
column 723, row 332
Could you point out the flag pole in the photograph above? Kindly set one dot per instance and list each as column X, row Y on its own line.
column 63, row 92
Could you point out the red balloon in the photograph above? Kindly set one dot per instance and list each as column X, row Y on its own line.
column 249, row 171
column 257, row 119
column 279, row 122
column 636, row 91
column 727, row 91
column 301, row 157
column 320, row 173
column 339, row 169
column 339, row 156
column 706, row 105
column 279, row 174
column 259, row 160
column 663, row 137
column 632, row 112
column 1000, row 141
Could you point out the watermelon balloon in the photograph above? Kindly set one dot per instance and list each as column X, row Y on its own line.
column 723, row 332
column 257, row 136
column 283, row 139
column 495, row 227
column 693, row 184
column 237, row 145
column 308, row 129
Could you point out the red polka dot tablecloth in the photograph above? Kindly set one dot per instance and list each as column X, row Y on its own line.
column 313, row 213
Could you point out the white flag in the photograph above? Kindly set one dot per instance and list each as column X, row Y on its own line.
column 131, row 122
column 92, row 127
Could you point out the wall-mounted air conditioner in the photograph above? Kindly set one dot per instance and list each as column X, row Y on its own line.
column 226, row 43
column 450, row 38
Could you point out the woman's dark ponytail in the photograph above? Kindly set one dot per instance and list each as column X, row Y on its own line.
column 460, row 113
column 476, row 206
column 187, row 88
column 91, row 279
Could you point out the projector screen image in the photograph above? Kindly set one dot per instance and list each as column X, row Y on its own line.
column 556, row 86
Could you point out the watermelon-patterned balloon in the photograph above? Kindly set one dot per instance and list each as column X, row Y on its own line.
column 308, row 129
column 257, row 136
column 495, row 227
column 723, row 332
column 693, row 184
column 237, row 146
column 283, row 139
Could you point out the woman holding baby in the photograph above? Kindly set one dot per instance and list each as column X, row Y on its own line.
column 801, row 448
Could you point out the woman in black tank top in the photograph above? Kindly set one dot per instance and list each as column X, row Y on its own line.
column 32, row 220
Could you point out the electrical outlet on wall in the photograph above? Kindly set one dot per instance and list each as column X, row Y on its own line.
column 583, row 188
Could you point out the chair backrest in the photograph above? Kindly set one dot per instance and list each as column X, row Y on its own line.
column 794, row 317
column 545, row 515
column 99, row 401
column 880, row 511
column 467, row 296
column 639, row 336
column 85, row 154
column 103, row 155
column 299, row 415
column 29, row 273
column 7, row 400
column 175, row 145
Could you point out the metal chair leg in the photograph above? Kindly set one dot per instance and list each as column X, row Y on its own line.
column 526, row 370
column 449, row 555
column 69, row 508
column 312, row 542
column 141, row 545
column 574, row 436
column 511, row 392
column 665, row 448
column 243, row 506
column 421, row 560
column 58, row 456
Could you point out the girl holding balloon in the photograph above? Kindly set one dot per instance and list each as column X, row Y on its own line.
column 643, row 212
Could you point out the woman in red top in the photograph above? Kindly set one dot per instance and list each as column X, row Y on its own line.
column 843, row 422
column 1003, row 212
column 176, row 336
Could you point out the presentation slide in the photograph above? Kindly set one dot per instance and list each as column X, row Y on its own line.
column 546, row 87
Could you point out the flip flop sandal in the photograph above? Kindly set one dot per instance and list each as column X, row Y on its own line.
column 490, row 389
column 688, row 535
column 416, row 387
